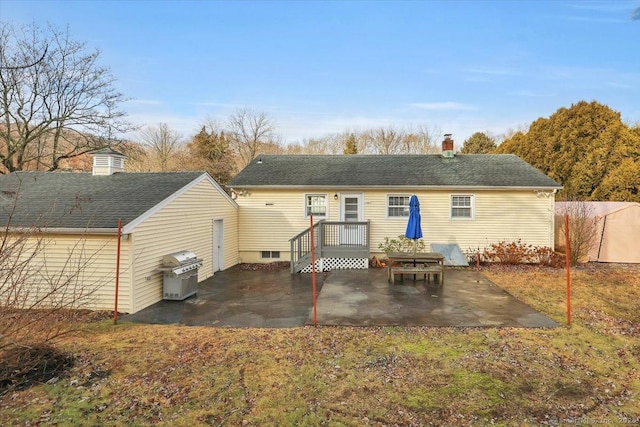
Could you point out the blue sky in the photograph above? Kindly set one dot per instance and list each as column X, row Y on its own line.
column 325, row 67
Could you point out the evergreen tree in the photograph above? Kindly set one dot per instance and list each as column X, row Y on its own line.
column 585, row 148
column 478, row 143
column 210, row 151
column 351, row 145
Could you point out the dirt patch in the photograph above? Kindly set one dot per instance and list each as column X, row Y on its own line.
column 271, row 266
column 26, row 366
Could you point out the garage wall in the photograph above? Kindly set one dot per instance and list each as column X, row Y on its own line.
column 80, row 268
column 185, row 223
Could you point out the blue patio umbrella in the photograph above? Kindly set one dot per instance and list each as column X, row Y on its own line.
column 414, row 229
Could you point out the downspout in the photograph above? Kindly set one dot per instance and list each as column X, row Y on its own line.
column 604, row 224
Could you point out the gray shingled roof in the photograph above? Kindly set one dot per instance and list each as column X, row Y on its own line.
column 82, row 201
column 464, row 170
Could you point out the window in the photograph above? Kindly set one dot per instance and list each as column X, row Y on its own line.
column 270, row 254
column 316, row 204
column 397, row 206
column 461, row 207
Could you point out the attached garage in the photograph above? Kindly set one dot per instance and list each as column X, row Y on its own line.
column 71, row 221
column 617, row 231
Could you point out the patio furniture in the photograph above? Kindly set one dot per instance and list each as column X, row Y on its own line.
column 426, row 263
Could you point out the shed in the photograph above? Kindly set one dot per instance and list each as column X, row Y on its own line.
column 73, row 217
column 617, row 231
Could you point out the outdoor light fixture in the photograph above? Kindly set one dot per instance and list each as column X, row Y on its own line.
column 335, row 196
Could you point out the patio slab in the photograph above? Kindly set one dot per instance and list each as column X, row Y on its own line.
column 467, row 298
column 278, row 299
column 239, row 299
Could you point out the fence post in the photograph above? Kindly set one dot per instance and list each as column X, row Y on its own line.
column 568, row 263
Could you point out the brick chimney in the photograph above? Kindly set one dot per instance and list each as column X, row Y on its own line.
column 447, row 146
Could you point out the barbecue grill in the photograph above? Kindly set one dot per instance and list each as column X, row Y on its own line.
column 180, row 279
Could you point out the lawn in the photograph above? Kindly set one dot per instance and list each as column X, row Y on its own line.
column 589, row 373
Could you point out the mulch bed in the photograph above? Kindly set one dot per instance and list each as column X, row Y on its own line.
column 272, row 266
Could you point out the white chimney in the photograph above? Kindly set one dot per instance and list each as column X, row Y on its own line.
column 107, row 162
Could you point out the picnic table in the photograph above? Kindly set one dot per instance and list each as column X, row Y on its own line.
column 426, row 263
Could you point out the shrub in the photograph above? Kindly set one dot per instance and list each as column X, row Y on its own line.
column 582, row 229
column 521, row 253
column 510, row 252
column 548, row 257
column 401, row 244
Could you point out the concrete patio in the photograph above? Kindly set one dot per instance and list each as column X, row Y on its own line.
column 278, row 299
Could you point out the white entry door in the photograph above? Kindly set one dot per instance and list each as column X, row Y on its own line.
column 351, row 210
column 218, row 245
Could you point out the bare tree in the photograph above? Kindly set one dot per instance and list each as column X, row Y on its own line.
column 385, row 140
column 163, row 143
column 582, row 228
column 421, row 140
column 250, row 131
column 38, row 292
column 56, row 101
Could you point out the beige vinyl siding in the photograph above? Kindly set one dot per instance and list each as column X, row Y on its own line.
column 270, row 218
column 87, row 263
column 186, row 223
column 498, row 216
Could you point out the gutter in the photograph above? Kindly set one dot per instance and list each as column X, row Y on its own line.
column 62, row 230
column 393, row 187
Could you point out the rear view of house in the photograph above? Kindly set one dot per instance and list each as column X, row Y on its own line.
column 71, row 220
column 469, row 200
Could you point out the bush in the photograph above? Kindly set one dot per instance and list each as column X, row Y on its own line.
column 521, row 253
column 548, row 257
column 401, row 244
column 582, row 229
column 510, row 252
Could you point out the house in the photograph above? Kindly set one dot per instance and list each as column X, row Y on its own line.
column 73, row 217
column 616, row 229
column 359, row 200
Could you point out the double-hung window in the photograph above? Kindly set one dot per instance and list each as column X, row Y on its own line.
column 462, row 206
column 398, row 205
column 316, row 205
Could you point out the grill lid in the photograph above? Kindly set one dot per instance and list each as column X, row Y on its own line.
column 179, row 258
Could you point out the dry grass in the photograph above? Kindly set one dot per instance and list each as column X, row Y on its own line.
column 170, row 375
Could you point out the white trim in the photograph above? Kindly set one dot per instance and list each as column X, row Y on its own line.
column 132, row 271
column 387, row 216
column 128, row 228
column 472, row 200
column 360, row 197
column 271, row 254
column 326, row 205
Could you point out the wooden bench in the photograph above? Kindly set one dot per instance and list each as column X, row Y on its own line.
column 427, row 270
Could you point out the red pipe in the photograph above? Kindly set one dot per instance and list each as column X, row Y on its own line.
column 568, row 263
column 313, row 274
column 115, row 310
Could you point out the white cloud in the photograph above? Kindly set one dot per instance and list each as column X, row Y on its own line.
column 144, row 101
column 442, row 106
column 493, row 71
column 531, row 94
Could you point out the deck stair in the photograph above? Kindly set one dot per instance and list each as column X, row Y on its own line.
column 337, row 244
